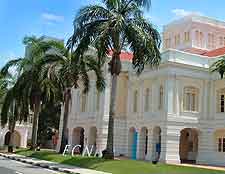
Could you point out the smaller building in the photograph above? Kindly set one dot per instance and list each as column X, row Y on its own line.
column 22, row 135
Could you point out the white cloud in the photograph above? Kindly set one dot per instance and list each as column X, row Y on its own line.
column 182, row 12
column 51, row 18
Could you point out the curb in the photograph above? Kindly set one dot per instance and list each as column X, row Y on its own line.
column 38, row 164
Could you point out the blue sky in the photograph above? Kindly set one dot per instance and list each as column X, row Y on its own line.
column 19, row 18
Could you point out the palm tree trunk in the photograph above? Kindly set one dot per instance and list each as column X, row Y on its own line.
column 11, row 138
column 115, row 68
column 37, row 104
column 109, row 154
column 63, row 142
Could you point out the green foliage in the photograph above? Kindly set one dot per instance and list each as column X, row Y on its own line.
column 47, row 69
column 117, row 25
column 48, row 120
column 31, row 87
column 219, row 66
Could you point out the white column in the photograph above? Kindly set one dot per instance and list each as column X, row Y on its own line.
column 70, row 136
column 206, row 146
column 150, row 145
column 141, row 94
column 103, row 119
column 205, row 99
column 170, row 140
column 212, row 101
column 169, row 95
column 193, row 39
column 91, row 97
column 155, row 96
column 129, row 98
column 177, row 98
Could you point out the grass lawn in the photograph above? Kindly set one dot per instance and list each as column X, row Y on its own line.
column 116, row 166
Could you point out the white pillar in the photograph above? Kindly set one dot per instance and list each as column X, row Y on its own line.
column 170, row 140
column 206, row 147
column 169, row 95
column 103, row 119
column 70, row 136
column 212, row 101
column 155, row 96
column 141, row 94
column 150, row 144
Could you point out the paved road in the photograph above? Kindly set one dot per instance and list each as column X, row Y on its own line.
column 8, row 166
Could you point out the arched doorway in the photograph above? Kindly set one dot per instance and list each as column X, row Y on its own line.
column 78, row 137
column 188, row 148
column 16, row 139
column 156, row 148
column 7, row 138
column 143, row 143
column 132, row 143
column 92, row 138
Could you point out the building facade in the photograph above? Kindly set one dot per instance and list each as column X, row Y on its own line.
column 22, row 134
column 174, row 113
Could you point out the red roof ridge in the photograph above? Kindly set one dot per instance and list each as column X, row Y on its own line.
column 124, row 55
column 215, row 53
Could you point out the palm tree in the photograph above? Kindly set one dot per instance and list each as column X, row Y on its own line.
column 32, row 86
column 219, row 66
column 68, row 69
column 116, row 25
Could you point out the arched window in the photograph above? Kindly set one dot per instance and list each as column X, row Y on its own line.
column 220, row 100
column 177, row 39
column 211, row 40
column 220, row 140
column 186, row 36
column 191, row 99
column 135, row 101
column 201, row 36
column 83, row 102
column 147, row 99
column 161, row 97
column 167, row 43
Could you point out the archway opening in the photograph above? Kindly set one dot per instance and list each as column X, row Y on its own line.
column 7, row 138
column 132, row 143
column 156, row 148
column 16, row 139
column 188, row 148
column 143, row 143
column 78, row 138
column 92, row 138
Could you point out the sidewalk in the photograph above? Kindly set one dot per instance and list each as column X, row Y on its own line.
column 51, row 165
column 201, row 166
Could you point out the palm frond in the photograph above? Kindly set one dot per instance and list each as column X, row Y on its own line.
column 219, row 66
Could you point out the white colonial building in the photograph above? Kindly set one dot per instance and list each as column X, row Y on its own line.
column 21, row 135
column 172, row 114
